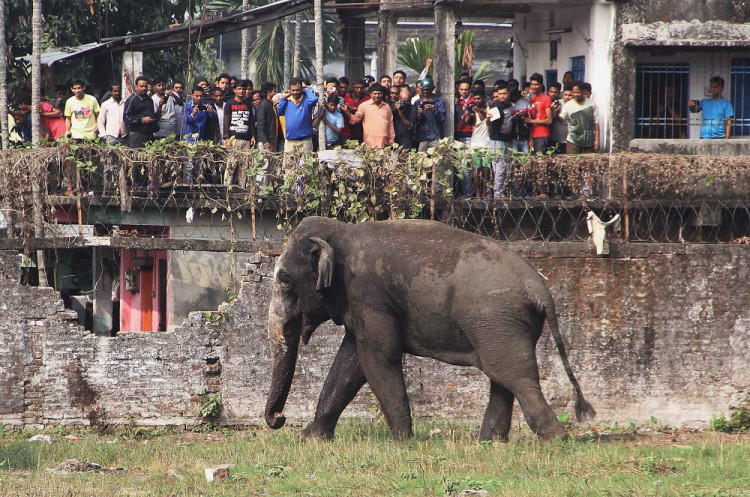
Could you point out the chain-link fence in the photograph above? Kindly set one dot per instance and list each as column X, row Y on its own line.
column 205, row 191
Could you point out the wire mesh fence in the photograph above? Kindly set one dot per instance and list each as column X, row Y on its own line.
column 207, row 192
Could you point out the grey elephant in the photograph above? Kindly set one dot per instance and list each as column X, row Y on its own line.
column 415, row 287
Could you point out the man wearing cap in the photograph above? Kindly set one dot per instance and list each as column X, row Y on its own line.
column 430, row 117
column 376, row 118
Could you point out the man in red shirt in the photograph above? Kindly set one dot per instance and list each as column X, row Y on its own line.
column 352, row 101
column 540, row 116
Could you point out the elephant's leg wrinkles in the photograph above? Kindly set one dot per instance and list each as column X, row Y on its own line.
column 343, row 382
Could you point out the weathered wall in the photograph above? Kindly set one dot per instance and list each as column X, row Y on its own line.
column 650, row 334
column 679, row 24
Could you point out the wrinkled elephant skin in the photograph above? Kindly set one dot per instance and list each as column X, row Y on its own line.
column 415, row 287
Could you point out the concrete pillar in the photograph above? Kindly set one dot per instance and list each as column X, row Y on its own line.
column 387, row 43
column 353, row 41
column 621, row 115
column 519, row 59
column 445, row 59
column 599, row 67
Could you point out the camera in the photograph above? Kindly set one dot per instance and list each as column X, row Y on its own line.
column 400, row 104
column 471, row 106
column 202, row 107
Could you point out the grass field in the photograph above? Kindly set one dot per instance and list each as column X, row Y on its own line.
column 442, row 459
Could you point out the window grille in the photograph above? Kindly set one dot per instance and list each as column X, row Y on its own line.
column 740, row 85
column 661, row 97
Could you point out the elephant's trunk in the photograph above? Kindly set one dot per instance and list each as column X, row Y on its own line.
column 284, row 352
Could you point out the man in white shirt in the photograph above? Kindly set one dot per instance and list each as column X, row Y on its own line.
column 169, row 102
column 112, row 129
column 110, row 123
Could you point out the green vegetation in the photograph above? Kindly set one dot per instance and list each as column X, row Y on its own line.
column 443, row 459
column 739, row 420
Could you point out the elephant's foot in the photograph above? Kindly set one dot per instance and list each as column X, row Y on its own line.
column 316, row 431
column 402, row 433
column 553, row 432
column 494, row 437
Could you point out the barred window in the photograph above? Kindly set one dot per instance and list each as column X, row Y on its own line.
column 578, row 67
column 661, row 100
column 740, row 74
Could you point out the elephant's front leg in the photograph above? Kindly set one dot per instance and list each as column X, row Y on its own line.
column 342, row 383
column 380, row 353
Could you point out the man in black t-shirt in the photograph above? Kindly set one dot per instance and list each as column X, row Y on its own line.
column 501, row 135
column 239, row 130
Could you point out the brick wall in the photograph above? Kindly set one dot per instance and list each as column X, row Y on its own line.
column 649, row 334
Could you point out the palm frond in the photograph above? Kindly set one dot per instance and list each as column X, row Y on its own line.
column 414, row 52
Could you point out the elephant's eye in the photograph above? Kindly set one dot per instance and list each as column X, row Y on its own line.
column 284, row 279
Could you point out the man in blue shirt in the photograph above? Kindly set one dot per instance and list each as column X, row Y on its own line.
column 717, row 112
column 297, row 106
column 198, row 119
column 430, row 117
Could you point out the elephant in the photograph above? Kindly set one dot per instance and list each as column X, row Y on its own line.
column 417, row 287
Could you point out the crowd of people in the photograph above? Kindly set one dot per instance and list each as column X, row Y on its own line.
column 510, row 118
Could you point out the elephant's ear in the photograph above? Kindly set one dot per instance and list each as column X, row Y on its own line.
column 325, row 262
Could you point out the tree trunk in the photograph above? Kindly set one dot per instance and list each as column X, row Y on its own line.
column 36, row 77
column 318, row 6
column 3, row 79
column 297, row 37
column 287, row 28
column 244, row 45
column 36, row 67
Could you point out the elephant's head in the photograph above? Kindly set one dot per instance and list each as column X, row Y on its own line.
column 303, row 272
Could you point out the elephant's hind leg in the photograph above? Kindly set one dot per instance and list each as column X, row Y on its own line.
column 341, row 386
column 518, row 372
column 497, row 416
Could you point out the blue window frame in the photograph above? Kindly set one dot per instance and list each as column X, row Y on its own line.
column 661, row 95
column 578, row 67
column 550, row 76
column 740, row 96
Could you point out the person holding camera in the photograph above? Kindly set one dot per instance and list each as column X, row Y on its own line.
column 430, row 117
column 198, row 120
column 404, row 115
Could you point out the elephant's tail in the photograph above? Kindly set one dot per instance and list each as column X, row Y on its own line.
column 584, row 410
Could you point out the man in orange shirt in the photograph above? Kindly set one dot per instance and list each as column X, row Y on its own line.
column 376, row 118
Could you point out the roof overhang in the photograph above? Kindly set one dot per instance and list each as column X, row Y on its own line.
column 199, row 31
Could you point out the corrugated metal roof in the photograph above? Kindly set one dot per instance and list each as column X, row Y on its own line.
column 146, row 42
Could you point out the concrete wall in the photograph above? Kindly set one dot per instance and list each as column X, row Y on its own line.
column 658, row 331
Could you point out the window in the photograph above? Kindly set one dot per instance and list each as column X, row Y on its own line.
column 550, row 76
column 578, row 67
column 740, row 96
column 661, row 95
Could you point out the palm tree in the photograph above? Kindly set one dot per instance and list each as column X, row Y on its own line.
column 415, row 51
column 267, row 50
